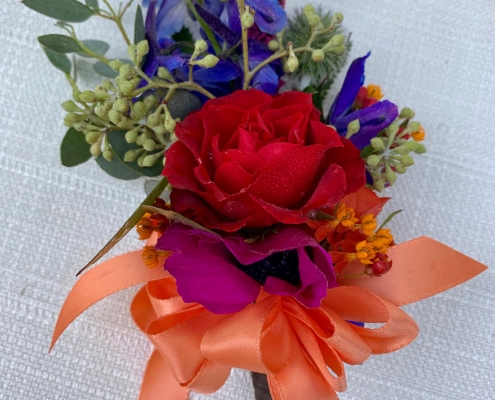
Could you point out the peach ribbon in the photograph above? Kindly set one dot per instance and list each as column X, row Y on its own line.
column 293, row 345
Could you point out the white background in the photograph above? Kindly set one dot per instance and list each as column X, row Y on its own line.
column 437, row 57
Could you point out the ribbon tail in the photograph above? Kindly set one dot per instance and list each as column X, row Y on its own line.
column 159, row 382
column 422, row 268
column 103, row 280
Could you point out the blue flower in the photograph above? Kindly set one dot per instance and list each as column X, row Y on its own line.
column 219, row 80
column 372, row 119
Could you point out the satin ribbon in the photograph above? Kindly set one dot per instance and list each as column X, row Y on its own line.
column 293, row 345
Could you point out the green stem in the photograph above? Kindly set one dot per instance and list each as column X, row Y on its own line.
column 118, row 20
column 245, row 49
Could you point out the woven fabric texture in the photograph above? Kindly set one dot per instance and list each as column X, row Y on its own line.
column 437, row 57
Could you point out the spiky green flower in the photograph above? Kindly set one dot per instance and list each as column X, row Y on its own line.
column 299, row 33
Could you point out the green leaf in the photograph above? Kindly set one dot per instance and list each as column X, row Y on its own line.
column 319, row 96
column 130, row 223
column 389, row 218
column 92, row 4
column 74, row 149
column 59, row 60
column 139, row 31
column 97, row 46
column 120, row 146
column 310, row 89
column 103, row 69
column 63, row 10
column 184, row 35
column 117, row 168
column 59, row 43
column 367, row 151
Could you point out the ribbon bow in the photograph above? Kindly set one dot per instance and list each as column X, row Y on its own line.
column 277, row 336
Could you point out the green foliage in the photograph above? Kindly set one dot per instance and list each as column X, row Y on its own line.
column 139, row 31
column 389, row 218
column 96, row 46
column 184, row 35
column 92, row 4
column 117, row 168
column 74, row 149
column 103, row 69
column 59, row 60
column 60, row 43
column 63, row 10
column 120, row 147
column 130, row 223
column 299, row 32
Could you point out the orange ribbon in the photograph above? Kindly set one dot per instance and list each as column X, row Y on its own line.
column 277, row 336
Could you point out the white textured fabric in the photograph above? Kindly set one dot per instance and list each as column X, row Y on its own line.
column 437, row 57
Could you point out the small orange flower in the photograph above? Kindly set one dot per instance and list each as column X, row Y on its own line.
column 345, row 216
column 383, row 234
column 375, row 92
column 419, row 135
column 145, row 227
column 150, row 256
column 365, row 252
column 368, row 224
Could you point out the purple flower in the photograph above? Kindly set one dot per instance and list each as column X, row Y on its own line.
column 372, row 119
column 225, row 274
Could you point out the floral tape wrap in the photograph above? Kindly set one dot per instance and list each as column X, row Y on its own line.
column 292, row 344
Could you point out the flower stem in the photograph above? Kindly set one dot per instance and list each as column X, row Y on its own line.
column 245, row 48
column 118, row 19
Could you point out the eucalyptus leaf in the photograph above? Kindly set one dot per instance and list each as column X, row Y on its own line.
column 92, row 4
column 59, row 60
column 120, row 146
column 74, row 149
column 103, row 69
column 117, row 168
column 139, row 30
column 63, row 10
column 183, row 103
column 97, row 46
column 130, row 223
column 389, row 218
column 60, row 43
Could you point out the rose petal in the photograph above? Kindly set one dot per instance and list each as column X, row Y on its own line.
column 349, row 159
column 365, row 201
column 330, row 189
column 289, row 181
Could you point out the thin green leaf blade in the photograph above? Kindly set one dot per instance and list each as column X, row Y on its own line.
column 59, row 60
column 130, row 223
column 74, row 149
column 97, row 46
column 63, row 10
column 59, row 43
column 117, row 168
column 367, row 151
column 389, row 218
column 139, row 30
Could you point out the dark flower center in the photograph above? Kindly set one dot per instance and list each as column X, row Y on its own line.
column 283, row 265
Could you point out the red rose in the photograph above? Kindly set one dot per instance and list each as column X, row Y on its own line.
column 250, row 160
